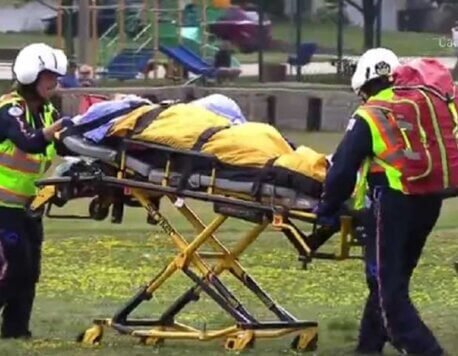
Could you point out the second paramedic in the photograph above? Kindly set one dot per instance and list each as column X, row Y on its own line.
column 28, row 122
column 396, row 225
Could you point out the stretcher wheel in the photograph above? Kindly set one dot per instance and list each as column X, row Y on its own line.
column 97, row 210
column 240, row 341
column 151, row 341
column 59, row 202
column 91, row 336
column 306, row 341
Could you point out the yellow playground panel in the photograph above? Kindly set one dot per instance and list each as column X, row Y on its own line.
column 222, row 3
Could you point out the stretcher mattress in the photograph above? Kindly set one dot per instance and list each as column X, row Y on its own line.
column 195, row 181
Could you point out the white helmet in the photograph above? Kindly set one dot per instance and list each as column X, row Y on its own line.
column 36, row 58
column 374, row 63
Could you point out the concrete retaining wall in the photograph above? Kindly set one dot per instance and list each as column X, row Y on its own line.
column 291, row 109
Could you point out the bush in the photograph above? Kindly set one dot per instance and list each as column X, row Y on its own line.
column 329, row 14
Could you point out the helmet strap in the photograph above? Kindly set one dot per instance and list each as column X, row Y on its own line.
column 31, row 96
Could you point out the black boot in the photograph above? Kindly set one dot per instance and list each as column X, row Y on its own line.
column 16, row 315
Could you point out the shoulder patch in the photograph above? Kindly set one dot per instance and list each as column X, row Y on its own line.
column 15, row 111
column 351, row 124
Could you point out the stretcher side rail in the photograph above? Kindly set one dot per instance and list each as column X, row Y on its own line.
column 193, row 159
column 121, row 158
column 123, row 183
column 169, row 174
column 277, row 215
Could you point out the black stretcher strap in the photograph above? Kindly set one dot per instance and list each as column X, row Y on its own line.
column 146, row 119
column 201, row 141
column 262, row 178
column 141, row 123
column 207, row 135
column 92, row 125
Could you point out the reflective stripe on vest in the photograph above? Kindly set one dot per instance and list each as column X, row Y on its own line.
column 19, row 161
column 384, row 146
column 18, row 170
column 361, row 185
column 10, row 198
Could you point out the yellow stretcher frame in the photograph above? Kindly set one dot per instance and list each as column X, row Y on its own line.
column 197, row 266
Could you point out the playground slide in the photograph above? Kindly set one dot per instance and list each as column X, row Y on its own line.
column 188, row 59
column 192, row 40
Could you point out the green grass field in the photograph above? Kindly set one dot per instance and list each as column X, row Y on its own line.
column 91, row 268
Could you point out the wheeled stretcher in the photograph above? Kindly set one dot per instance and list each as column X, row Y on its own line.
column 117, row 176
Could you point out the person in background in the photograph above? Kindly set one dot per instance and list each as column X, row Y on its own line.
column 28, row 122
column 86, row 76
column 223, row 57
column 69, row 80
column 223, row 63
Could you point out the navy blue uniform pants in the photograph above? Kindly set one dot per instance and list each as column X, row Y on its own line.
column 20, row 256
column 396, row 227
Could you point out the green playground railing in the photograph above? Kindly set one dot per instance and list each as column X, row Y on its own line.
column 108, row 45
column 110, row 41
column 139, row 37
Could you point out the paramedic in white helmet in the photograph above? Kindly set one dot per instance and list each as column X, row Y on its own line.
column 28, row 122
column 396, row 225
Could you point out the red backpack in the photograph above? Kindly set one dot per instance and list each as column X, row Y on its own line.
column 425, row 111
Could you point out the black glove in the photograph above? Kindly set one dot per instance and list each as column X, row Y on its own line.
column 67, row 122
column 330, row 218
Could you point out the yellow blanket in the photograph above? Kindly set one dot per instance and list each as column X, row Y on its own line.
column 247, row 145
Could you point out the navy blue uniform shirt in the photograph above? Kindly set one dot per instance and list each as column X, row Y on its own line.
column 30, row 139
column 340, row 181
column 14, row 126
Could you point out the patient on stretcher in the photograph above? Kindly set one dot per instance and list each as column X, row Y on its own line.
column 248, row 170
column 247, row 151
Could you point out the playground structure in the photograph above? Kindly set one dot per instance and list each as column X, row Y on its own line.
column 143, row 32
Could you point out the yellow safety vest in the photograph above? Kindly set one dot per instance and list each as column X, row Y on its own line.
column 387, row 157
column 19, row 170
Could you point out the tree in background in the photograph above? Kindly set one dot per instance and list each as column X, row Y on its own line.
column 368, row 9
column 369, row 12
